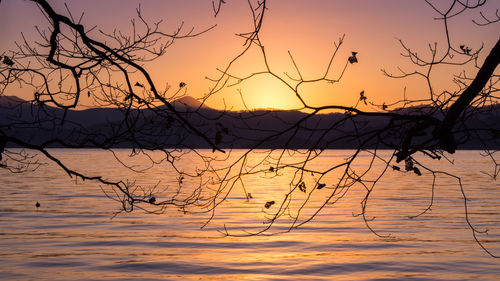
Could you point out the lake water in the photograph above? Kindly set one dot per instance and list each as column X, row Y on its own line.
column 74, row 236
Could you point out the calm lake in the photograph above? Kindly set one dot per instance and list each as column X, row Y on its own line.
column 74, row 235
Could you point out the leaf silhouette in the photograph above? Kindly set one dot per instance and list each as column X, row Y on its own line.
column 353, row 59
column 408, row 164
column 269, row 204
column 7, row 61
column 302, row 187
column 320, row 185
column 417, row 171
column 362, row 96
column 465, row 49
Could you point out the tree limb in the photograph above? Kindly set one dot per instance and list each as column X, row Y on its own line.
column 443, row 132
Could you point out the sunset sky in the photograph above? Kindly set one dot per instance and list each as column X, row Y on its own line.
column 308, row 29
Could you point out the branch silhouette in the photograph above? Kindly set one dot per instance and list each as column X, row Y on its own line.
column 69, row 64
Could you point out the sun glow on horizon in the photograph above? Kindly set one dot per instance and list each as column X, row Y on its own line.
column 265, row 92
column 310, row 38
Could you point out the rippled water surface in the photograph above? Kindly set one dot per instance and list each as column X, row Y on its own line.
column 74, row 236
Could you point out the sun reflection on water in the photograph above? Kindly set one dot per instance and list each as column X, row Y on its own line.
column 73, row 235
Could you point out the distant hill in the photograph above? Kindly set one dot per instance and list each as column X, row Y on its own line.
column 10, row 101
column 188, row 102
column 260, row 128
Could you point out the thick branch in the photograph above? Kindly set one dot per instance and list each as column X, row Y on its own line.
column 443, row 132
column 110, row 55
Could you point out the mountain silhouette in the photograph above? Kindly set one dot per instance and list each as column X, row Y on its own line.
column 158, row 127
column 188, row 102
column 10, row 101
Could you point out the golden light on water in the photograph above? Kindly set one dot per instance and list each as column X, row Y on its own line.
column 73, row 230
column 160, row 208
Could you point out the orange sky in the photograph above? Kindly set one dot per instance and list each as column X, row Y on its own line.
column 308, row 29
